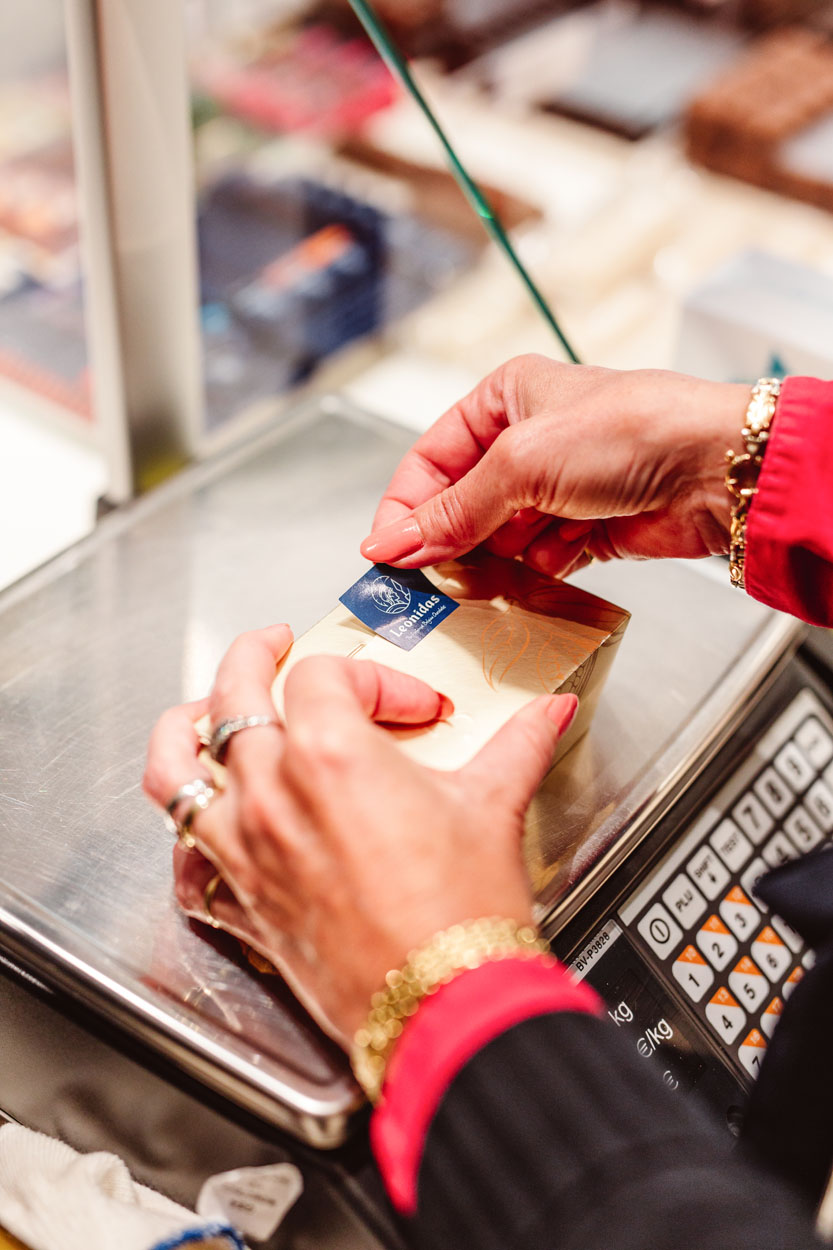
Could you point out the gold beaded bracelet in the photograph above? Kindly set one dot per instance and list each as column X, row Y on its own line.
column 452, row 951
column 742, row 470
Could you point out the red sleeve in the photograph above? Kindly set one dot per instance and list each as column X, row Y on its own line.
column 789, row 534
column 449, row 1028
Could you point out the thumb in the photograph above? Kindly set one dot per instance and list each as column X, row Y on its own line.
column 517, row 759
column 450, row 523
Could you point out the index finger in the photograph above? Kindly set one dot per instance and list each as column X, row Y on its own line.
column 448, row 450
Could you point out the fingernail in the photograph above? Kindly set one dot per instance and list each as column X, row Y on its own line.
column 562, row 711
column 572, row 531
column 446, row 708
column 393, row 542
column 550, row 563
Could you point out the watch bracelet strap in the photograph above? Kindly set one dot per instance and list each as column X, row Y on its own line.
column 460, row 948
column 742, row 470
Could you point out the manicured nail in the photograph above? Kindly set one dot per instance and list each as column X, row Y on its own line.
column 562, row 711
column 393, row 542
column 572, row 531
column 446, row 708
column 550, row 563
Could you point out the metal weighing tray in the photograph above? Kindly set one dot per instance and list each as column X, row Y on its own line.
column 94, row 645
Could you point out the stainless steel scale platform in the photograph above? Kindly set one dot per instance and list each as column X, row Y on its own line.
column 95, row 644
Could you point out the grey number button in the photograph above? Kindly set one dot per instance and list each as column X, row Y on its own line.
column 771, row 1016
column 748, row 983
column 753, row 818
column 752, row 1050
column 794, row 768
column 660, row 931
column 815, row 742
column 802, row 830
column 820, row 802
column 716, row 942
column 751, row 877
column 739, row 913
column 725, row 1014
column 791, row 982
column 773, row 792
column 778, row 850
column 693, row 973
column 793, row 940
column 770, row 953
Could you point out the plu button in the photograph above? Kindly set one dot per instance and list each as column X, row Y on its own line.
column 660, row 930
column 684, row 900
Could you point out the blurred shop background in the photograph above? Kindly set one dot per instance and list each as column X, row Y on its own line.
column 665, row 171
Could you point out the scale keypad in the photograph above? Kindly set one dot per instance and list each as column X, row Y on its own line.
column 698, row 912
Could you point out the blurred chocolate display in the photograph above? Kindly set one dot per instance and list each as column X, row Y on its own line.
column 626, row 67
column 315, row 78
column 435, row 195
column 452, row 32
column 37, row 202
column 43, row 347
column 292, row 270
column 769, row 119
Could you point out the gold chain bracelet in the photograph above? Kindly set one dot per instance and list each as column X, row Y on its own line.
column 742, row 470
column 452, row 951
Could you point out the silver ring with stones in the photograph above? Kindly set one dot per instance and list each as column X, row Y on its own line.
column 233, row 725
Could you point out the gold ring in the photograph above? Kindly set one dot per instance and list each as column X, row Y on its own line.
column 208, row 898
column 199, row 803
column 200, row 791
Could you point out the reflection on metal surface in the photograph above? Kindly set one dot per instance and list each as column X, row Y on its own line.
column 94, row 646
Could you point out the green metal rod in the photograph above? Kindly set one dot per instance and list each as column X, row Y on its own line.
column 386, row 48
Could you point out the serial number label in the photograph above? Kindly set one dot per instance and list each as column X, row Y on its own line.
column 597, row 945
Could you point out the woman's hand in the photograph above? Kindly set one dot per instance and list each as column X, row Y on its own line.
column 339, row 854
column 550, row 461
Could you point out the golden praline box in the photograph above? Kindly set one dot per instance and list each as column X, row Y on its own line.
column 515, row 635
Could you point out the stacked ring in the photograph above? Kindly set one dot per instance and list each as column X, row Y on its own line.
column 208, row 898
column 232, row 725
column 201, row 792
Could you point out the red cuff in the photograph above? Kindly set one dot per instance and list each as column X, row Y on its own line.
column 789, row 534
column 449, row 1028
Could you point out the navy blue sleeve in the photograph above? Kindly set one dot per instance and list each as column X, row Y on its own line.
column 556, row 1137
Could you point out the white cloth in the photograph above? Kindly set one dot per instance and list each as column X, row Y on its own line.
column 53, row 1198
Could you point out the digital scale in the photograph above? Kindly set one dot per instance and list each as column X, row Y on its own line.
column 125, row 1026
column 683, row 951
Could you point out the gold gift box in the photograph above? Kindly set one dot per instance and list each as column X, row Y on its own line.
column 516, row 634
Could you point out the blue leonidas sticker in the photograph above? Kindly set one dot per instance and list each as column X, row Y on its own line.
column 399, row 604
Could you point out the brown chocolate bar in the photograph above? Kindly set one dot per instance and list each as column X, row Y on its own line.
column 740, row 123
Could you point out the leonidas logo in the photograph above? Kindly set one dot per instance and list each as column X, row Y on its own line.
column 399, row 604
column 390, row 596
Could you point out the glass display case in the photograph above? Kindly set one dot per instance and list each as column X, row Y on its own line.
column 263, row 208
column 42, row 340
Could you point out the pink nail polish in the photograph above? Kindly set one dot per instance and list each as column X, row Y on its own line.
column 575, row 531
column 446, row 708
column 393, row 542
